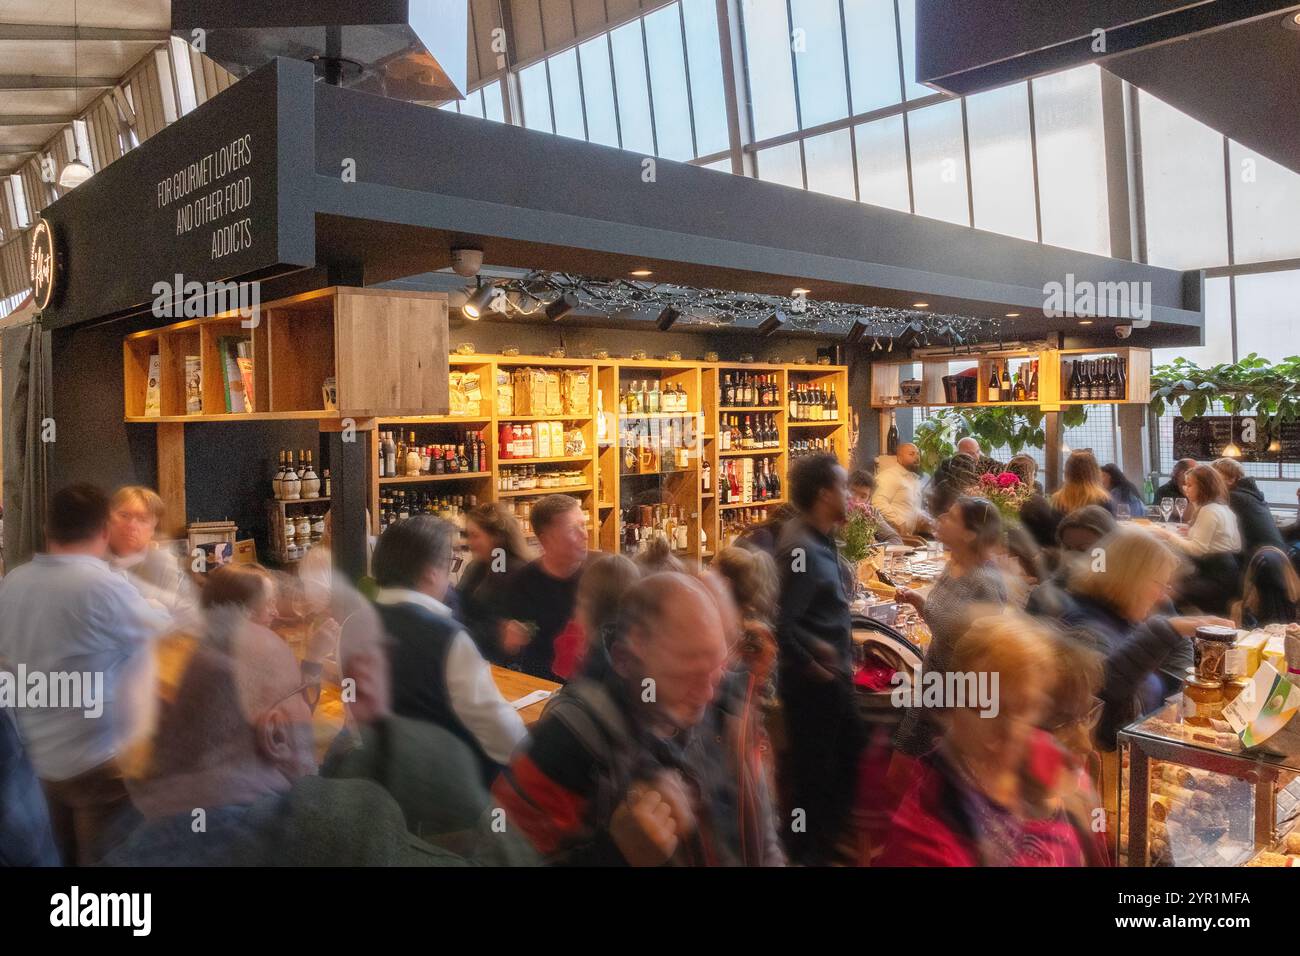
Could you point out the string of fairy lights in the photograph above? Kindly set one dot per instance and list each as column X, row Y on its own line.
column 558, row 294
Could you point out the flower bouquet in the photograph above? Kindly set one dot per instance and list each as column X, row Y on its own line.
column 859, row 532
column 1007, row 492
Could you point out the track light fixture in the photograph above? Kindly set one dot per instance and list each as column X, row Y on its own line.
column 562, row 306
column 771, row 324
column 667, row 318
column 479, row 300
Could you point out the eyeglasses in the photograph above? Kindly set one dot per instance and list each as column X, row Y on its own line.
column 310, row 691
column 1089, row 722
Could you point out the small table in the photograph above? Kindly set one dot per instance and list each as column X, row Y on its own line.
column 516, row 684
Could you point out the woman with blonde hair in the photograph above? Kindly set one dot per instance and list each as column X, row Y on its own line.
column 995, row 791
column 134, row 516
column 1083, row 485
column 1118, row 601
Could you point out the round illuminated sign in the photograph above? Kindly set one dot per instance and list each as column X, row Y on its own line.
column 43, row 266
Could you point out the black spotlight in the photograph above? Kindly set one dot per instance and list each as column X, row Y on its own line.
column 667, row 318
column 856, row 331
column 562, row 306
column 771, row 324
column 479, row 300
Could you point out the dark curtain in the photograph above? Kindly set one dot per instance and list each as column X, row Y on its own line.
column 25, row 389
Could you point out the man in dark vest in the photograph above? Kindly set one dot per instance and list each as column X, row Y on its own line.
column 437, row 671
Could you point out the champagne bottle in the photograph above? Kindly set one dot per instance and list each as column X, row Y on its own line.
column 891, row 442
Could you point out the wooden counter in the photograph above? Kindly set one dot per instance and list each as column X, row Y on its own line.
column 515, row 684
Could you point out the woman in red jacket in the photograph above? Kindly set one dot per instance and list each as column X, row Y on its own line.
column 997, row 790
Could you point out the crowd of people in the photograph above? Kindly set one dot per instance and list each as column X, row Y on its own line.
column 707, row 716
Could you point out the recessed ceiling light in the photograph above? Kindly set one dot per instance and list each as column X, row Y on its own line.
column 920, row 305
column 641, row 273
column 1013, row 315
column 1085, row 321
column 1291, row 21
column 800, row 291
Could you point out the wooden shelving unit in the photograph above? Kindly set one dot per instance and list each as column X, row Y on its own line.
column 610, row 488
column 888, row 376
column 383, row 350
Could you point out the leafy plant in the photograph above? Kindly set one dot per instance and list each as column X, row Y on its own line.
column 1252, row 385
column 1016, row 428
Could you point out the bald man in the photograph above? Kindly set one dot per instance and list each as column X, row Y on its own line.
column 898, row 492
column 233, row 780
column 637, row 768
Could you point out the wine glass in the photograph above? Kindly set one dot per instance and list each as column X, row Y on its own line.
column 1166, row 508
column 1180, row 507
column 1123, row 512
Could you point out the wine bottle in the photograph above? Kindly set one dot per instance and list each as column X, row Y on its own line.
column 995, row 387
column 891, row 442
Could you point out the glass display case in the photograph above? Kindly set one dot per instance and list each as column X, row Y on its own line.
column 1191, row 795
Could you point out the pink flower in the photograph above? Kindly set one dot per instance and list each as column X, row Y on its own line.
column 987, row 479
column 1008, row 479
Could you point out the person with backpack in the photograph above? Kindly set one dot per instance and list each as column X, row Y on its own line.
column 636, row 766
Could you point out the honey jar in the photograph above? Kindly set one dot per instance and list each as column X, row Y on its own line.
column 1202, row 701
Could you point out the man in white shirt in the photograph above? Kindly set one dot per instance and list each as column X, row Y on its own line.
column 898, row 492
column 68, row 620
column 438, row 673
column 133, row 517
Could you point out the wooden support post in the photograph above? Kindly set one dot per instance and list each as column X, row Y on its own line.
column 1052, row 451
column 1132, row 442
column 171, row 476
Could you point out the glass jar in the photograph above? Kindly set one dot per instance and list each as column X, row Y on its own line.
column 1210, row 647
column 1202, row 701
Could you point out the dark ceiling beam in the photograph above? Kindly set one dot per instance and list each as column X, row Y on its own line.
column 18, row 150
column 29, row 82
column 35, row 31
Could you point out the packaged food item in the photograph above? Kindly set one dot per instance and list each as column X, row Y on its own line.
column 1210, row 645
column 1202, row 700
column 575, row 392
column 505, row 393
column 1245, row 656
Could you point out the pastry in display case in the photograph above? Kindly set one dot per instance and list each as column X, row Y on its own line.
column 1194, row 796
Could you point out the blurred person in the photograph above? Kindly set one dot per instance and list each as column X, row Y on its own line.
column 1173, row 488
column 497, row 550
column 994, row 791
column 1254, row 519
column 1116, row 604
column 433, row 775
column 1077, row 535
column 67, row 612
column 753, row 585
column 958, row 475
column 898, row 492
column 135, row 512
column 1082, row 486
column 862, row 486
column 238, row 745
column 1212, row 542
column 538, row 599
column 25, row 835
column 1270, row 591
column 765, row 535
column 1022, row 564
column 657, row 555
column 815, row 668
column 606, row 578
column 971, row 530
column 1122, row 491
column 437, row 671
column 1037, row 515
column 613, row 777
